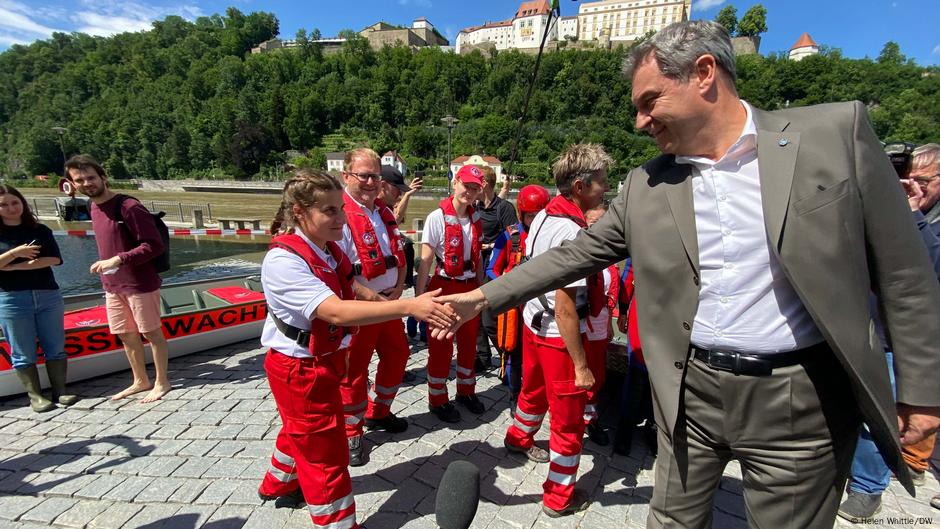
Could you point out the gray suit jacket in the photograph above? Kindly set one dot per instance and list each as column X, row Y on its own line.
column 840, row 225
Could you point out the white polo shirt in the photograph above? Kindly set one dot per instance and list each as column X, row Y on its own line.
column 433, row 235
column 293, row 294
column 390, row 278
column 540, row 240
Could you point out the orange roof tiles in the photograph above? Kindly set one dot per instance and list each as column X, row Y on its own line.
column 534, row 7
column 804, row 41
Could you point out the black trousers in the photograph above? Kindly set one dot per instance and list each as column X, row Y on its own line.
column 487, row 333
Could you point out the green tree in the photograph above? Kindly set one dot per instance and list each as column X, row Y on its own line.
column 728, row 17
column 754, row 22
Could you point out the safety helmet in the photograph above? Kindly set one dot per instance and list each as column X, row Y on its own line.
column 532, row 199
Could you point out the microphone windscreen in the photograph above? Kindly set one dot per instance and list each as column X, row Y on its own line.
column 458, row 495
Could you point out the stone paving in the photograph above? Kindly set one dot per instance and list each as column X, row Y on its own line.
column 195, row 459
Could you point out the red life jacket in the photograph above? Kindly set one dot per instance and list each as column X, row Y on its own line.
column 325, row 337
column 372, row 263
column 614, row 293
column 565, row 208
column 454, row 264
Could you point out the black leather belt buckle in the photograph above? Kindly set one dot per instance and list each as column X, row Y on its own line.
column 738, row 364
column 303, row 339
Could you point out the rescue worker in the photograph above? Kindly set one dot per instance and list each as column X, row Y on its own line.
column 308, row 281
column 556, row 375
column 509, row 252
column 453, row 235
column 375, row 247
column 599, row 333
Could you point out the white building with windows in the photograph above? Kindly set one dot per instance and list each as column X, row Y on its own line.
column 523, row 31
column 628, row 20
column 392, row 158
column 610, row 21
column 568, row 27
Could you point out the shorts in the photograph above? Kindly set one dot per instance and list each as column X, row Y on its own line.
column 133, row 313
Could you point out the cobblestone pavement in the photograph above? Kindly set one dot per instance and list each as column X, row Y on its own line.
column 195, row 459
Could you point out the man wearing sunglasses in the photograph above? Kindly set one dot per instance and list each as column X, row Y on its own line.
column 925, row 172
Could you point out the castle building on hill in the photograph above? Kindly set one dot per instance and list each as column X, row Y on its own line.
column 803, row 48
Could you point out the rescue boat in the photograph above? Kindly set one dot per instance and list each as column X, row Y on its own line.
column 197, row 315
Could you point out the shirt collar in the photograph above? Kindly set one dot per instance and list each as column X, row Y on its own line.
column 322, row 254
column 746, row 142
column 361, row 205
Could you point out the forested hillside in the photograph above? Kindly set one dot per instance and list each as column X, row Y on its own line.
column 187, row 99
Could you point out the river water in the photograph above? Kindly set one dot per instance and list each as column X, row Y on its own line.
column 191, row 258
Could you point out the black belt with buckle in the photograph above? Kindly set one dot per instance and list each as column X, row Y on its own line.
column 759, row 365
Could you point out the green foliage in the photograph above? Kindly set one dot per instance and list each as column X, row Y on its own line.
column 187, row 99
column 728, row 17
column 754, row 21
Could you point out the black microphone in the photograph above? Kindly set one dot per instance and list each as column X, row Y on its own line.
column 458, row 495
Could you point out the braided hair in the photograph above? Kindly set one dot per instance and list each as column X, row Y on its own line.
column 304, row 189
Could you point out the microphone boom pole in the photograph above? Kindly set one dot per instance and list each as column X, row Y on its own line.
column 554, row 12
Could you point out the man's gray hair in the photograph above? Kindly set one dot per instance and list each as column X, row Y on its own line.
column 677, row 46
column 580, row 161
column 926, row 155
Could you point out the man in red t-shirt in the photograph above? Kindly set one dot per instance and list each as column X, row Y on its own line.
column 128, row 240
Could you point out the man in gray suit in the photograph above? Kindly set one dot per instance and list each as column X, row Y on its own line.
column 756, row 238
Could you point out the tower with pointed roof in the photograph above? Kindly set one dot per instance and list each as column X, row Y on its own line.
column 803, row 48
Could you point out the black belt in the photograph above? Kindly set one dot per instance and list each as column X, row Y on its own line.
column 300, row 336
column 390, row 263
column 455, row 280
column 753, row 364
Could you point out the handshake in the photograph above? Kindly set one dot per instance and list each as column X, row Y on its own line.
column 445, row 314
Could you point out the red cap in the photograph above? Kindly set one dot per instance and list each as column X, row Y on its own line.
column 470, row 174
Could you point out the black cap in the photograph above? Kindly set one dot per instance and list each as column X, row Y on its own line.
column 393, row 176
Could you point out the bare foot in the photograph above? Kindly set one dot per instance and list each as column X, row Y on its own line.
column 134, row 388
column 156, row 394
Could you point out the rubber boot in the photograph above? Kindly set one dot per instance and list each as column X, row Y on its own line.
column 29, row 377
column 57, row 370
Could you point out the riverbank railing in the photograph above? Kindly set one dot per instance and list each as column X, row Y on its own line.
column 175, row 211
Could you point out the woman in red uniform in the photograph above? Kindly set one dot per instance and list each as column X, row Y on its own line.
column 453, row 236
column 311, row 313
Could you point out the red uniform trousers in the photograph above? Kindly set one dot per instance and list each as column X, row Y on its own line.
column 548, row 385
column 388, row 339
column 440, row 352
column 310, row 450
column 596, row 351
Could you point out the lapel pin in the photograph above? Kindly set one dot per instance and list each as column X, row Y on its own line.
column 783, row 142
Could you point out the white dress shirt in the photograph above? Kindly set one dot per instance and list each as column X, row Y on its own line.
column 746, row 303
column 390, row 278
column 293, row 294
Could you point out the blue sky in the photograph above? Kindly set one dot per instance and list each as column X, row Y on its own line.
column 858, row 27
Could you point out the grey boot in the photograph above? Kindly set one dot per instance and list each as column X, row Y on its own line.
column 29, row 377
column 57, row 370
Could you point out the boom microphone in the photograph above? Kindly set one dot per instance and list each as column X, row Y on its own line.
column 458, row 495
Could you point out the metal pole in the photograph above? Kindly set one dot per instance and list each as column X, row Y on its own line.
column 180, row 206
column 209, row 209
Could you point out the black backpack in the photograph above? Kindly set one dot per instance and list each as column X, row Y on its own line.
column 161, row 263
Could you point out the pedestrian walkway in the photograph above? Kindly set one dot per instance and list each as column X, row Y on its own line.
column 196, row 458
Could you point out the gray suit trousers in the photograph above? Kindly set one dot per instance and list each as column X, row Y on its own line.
column 793, row 432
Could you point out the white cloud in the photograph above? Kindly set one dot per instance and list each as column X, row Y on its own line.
column 415, row 3
column 15, row 17
column 936, row 50
column 9, row 40
column 705, row 5
column 109, row 17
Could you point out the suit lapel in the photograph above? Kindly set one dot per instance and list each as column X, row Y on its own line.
column 776, row 158
column 679, row 195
